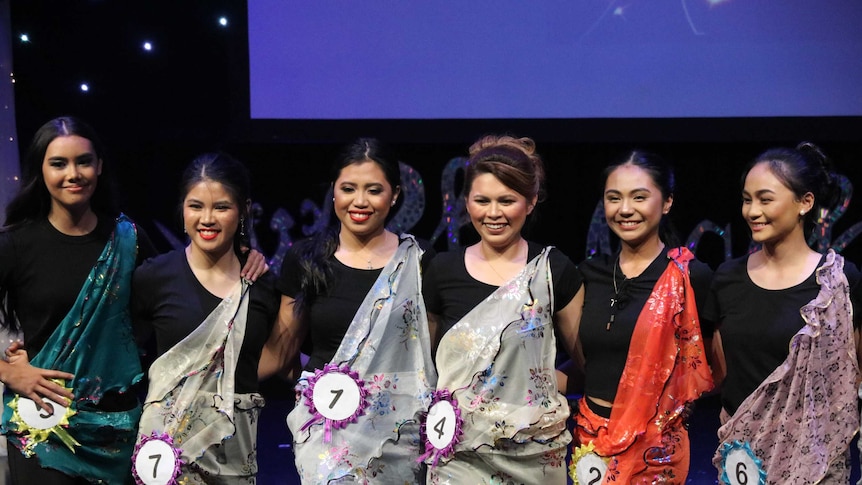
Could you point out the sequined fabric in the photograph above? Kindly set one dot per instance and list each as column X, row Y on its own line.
column 800, row 420
column 388, row 345
column 498, row 362
column 192, row 399
column 95, row 343
column 665, row 371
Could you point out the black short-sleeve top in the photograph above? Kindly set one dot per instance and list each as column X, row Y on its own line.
column 450, row 292
column 329, row 315
column 756, row 324
column 169, row 300
column 606, row 349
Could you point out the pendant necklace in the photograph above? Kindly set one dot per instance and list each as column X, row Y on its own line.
column 616, row 297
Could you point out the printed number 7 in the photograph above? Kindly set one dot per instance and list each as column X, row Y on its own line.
column 156, row 466
column 338, row 393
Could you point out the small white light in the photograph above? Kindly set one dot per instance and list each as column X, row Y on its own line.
column 24, row 38
column 85, row 87
column 222, row 21
column 148, row 46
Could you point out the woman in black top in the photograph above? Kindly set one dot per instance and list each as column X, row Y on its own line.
column 644, row 355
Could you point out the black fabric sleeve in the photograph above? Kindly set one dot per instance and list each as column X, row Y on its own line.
column 701, row 282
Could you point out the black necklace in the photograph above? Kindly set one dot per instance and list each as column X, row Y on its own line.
column 616, row 299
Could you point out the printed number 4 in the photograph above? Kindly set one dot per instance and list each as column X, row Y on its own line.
column 439, row 427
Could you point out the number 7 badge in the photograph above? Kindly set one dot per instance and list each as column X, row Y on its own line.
column 337, row 396
column 156, row 461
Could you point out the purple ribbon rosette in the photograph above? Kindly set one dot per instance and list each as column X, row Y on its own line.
column 335, row 395
column 156, row 461
column 442, row 427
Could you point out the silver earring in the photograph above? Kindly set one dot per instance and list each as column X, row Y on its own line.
column 801, row 213
column 242, row 226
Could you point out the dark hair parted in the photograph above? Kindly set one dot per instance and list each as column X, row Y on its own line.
column 513, row 161
column 234, row 177
column 315, row 253
column 33, row 201
column 802, row 169
column 662, row 174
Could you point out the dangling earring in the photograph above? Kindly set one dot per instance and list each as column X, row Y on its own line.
column 242, row 226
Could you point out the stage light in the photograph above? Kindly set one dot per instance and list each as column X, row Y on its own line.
column 24, row 38
column 85, row 87
column 222, row 21
column 148, row 46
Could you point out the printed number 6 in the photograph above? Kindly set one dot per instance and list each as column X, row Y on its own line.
column 741, row 476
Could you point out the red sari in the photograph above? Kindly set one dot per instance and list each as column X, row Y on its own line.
column 645, row 440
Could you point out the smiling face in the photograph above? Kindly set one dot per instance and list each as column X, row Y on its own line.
column 71, row 170
column 210, row 217
column 770, row 208
column 498, row 213
column 634, row 205
column 362, row 198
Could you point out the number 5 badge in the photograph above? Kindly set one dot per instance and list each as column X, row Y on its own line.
column 442, row 426
column 156, row 461
column 337, row 396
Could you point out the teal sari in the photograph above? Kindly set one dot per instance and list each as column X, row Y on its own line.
column 95, row 343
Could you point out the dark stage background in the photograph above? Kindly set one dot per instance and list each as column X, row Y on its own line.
column 158, row 109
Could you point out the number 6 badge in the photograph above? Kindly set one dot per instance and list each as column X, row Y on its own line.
column 442, row 426
column 156, row 461
column 337, row 396
column 740, row 466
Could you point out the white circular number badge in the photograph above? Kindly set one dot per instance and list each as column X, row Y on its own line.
column 156, row 463
column 37, row 418
column 440, row 424
column 741, row 468
column 590, row 469
column 336, row 396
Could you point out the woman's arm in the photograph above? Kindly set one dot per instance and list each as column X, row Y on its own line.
column 568, row 321
column 33, row 382
column 280, row 354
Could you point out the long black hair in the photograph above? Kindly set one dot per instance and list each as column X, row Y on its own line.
column 662, row 174
column 33, row 201
column 315, row 253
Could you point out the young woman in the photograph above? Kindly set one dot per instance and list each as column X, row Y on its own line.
column 210, row 325
column 355, row 291
column 66, row 262
column 786, row 327
column 644, row 358
column 497, row 416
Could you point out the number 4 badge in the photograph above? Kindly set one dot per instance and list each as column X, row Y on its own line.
column 740, row 466
column 156, row 461
column 335, row 395
column 442, row 426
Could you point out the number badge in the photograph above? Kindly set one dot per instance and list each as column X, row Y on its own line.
column 34, row 425
column 156, row 460
column 587, row 468
column 740, row 466
column 335, row 395
column 442, row 426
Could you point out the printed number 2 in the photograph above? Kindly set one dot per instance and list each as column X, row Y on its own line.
column 338, row 393
column 439, row 427
column 741, row 476
column 156, row 466
column 598, row 477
